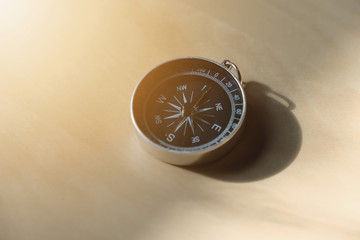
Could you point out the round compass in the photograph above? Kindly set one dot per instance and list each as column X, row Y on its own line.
column 189, row 110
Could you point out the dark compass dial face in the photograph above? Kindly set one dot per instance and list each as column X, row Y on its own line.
column 188, row 105
column 188, row 110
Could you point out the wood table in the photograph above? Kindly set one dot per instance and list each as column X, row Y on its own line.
column 71, row 168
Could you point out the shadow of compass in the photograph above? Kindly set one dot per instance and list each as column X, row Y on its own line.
column 270, row 141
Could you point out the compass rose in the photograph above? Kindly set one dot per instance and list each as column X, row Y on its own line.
column 188, row 114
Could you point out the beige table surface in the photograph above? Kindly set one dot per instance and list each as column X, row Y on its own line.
column 70, row 167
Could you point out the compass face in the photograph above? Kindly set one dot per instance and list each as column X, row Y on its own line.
column 188, row 104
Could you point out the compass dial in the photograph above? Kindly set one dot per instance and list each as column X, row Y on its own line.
column 188, row 110
column 188, row 105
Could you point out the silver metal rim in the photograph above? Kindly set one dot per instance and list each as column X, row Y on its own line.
column 194, row 152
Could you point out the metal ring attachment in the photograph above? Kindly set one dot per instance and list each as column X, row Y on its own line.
column 228, row 64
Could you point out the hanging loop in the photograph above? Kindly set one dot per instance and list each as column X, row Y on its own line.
column 230, row 65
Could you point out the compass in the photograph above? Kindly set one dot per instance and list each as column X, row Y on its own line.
column 189, row 110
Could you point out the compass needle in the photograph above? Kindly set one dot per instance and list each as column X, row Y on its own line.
column 207, row 115
column 204, row 121
column 180, row 124
column 204, row 109
column 204, row 91
column 173, row 116
column 178, row 101
column 175, row 106
column 184, row 98
column 200, row 127
column 191, row 123
column 186, row 123
column 170, row 124
column 173, row 111
column 205, row 102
